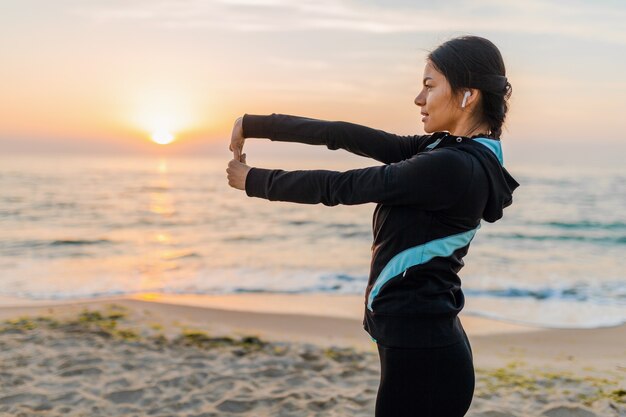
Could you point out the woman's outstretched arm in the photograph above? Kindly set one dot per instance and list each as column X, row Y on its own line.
column 433, row 180
column 360, row 140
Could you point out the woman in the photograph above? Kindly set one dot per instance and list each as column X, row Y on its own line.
column 431, row 194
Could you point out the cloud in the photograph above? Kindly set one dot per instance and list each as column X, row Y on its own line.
column 263, row 15
column 596, row 21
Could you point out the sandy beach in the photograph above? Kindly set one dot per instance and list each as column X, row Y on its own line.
column 267, row 355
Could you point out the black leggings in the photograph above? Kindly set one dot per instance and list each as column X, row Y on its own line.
column 425, row 382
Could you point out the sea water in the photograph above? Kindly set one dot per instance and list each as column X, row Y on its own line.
column 87, row 226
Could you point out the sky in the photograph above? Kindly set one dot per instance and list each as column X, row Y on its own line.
column 96, row 76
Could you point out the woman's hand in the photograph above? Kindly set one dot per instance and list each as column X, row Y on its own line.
column 237, row 172
column 237, row 139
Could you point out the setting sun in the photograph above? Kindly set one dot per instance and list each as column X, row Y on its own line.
column 162, row 137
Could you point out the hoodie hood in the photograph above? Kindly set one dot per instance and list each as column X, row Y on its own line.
column 501, row 184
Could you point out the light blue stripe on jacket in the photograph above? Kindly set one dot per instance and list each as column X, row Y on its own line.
column 494, row 146
column 418, row 255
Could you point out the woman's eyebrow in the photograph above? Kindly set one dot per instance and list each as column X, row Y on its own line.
column 426, row 78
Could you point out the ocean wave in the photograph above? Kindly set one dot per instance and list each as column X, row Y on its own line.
column 300, row 222
column 31, row 244
column 619, row 240
column 74, row 242
column 585, row 224
column 160, row 222
column 182, row 256
column 356, row 233
column 608, row 291
column 147, row 189
column 251, row 238
column 342, row 225
column 9, row 213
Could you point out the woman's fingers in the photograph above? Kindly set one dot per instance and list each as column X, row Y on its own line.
column 235, row 169
column 237, row 140
column 236, row 173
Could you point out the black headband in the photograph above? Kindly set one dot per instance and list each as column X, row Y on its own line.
column 488, row 82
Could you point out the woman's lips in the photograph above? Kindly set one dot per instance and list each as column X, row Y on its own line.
column 425, row 116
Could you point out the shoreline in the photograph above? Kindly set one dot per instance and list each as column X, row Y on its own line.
column 290, row 317
column 335, row 305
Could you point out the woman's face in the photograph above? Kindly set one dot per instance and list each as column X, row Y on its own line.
column 438, row 109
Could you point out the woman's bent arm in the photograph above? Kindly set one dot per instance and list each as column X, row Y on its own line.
column 360, row 140
column 433, row 180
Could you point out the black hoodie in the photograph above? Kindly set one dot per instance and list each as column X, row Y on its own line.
column 431, row 194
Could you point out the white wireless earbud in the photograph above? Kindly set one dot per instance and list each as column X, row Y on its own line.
column 465, row 96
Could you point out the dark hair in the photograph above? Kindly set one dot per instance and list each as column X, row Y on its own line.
column 475, row 62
